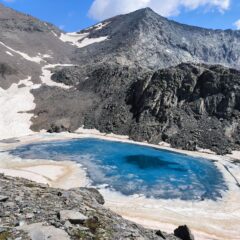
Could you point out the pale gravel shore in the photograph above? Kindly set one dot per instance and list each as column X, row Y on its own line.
column 55, row 174
column 207, row 219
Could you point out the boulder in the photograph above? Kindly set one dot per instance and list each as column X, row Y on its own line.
column 38, row 231
column 72, row 216
column 184, row 233
column 3, row 198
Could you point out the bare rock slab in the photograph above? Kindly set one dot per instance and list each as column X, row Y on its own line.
column 73, row 217
column 38, row 231
column 3, row 198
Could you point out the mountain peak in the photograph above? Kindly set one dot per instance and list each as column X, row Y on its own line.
column 146, row 10
column 145, row 13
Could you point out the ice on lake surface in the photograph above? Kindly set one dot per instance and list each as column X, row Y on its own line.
column 134, row 169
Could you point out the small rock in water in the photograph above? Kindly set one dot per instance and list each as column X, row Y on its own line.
column 184, row 233
column 73, row 217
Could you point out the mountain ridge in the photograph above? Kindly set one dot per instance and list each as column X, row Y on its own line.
column 143, row 37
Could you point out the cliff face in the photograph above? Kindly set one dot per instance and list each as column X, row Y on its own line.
column 189, row 106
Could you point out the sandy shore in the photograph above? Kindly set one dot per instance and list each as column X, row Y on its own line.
column 207, row 219
column 55, row 174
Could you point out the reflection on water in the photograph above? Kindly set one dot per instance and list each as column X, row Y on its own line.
column 147, row 162
column 133, row 169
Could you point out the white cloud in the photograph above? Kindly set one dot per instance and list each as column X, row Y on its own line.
column 237, row 24
column 102, row 9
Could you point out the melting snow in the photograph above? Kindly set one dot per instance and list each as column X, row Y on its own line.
column 73, row 38
column 44, row 56
column 88, row 41
column 47, row 74
column 15, row 102
column 7, row 52
column 80, row 39
column 36, row 59
column 168, row 50
column 98, row 26
column 54, row 34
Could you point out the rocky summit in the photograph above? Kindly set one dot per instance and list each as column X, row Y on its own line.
column 34, row 211
column 143, row 38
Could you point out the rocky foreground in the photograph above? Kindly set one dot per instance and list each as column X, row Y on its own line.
column 34, row 211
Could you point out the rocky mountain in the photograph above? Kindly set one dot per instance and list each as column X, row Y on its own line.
column 34, row 211
column 137, row 74
column 143, row 38
column 26, row 44
column 190, row 106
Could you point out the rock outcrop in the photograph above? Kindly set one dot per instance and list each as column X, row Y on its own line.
column 184, row 233
column 190, row 106
column 33, row 211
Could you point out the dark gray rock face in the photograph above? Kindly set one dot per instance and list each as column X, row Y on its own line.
column 35, row 211
column 13, row 20
column 6, row 70
column 189, row 105
column 143, row 38
column 184, row 233
column 98, row 100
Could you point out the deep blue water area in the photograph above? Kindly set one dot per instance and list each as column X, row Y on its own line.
column 134, row 169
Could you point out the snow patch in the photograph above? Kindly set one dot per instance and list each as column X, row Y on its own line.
column 54, row 34
column 98, row 26
column 81, row 39
column 15, row 102
column 73, row 38
column 101, row 25
column 88, row 41
column 168, row 50
column 47, row 74
column 44, row 56
column 36, row 59
column 7, row 52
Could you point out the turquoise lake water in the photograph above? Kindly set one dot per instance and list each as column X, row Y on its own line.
column 134, row 169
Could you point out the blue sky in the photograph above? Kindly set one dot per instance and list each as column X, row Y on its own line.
column 72, row 15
